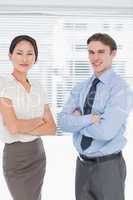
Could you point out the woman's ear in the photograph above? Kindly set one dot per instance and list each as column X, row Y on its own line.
column 9, row 56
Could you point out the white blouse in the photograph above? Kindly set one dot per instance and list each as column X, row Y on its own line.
column 27, row 105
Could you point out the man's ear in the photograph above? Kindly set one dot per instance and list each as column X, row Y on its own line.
column 113, row 53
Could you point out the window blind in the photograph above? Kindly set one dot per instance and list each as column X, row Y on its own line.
column 63, row 59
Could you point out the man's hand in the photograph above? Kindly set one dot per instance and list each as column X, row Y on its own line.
column 95, row 119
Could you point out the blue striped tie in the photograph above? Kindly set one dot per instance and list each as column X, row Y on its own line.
column 86, row 141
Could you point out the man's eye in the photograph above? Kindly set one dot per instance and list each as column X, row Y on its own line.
column 101, row 52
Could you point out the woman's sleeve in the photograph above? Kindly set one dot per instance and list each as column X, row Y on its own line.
column 6, row 89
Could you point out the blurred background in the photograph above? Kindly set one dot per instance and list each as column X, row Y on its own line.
column 61, row 29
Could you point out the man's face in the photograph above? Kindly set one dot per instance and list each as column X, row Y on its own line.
column 100, row 56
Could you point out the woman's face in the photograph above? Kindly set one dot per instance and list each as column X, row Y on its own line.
column 23, row 56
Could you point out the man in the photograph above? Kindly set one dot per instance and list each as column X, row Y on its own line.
column 96, row 114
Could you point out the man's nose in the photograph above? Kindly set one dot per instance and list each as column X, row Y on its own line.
column 95, row 56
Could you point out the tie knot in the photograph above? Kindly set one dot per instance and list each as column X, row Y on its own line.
column 95, row 81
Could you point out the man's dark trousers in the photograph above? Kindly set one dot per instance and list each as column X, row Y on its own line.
column 100, row 180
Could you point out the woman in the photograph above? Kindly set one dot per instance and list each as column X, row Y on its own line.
column 26, row 116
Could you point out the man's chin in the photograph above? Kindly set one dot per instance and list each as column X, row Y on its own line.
column 98, row 70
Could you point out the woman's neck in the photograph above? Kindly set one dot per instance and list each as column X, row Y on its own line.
column 21, row 77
